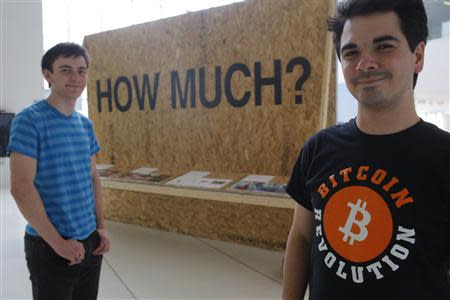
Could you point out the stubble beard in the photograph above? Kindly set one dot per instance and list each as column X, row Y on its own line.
column 375, row 100
column 373, row 97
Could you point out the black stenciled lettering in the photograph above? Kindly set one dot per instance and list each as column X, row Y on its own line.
column 124, row 81
column 218, row 88
column 265, row 81
column 146, row 91
column 304, row 76
column 189, row 88
column 104, row 94
column 228, row 89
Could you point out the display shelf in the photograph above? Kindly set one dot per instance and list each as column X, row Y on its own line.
column 253, row 198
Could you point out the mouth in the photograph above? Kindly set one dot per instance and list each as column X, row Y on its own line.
column 369, row 81
column 370, row 78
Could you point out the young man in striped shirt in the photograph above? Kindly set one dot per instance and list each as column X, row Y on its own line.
column 55, row 183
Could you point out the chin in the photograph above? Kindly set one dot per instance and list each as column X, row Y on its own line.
column 72, row 97
column 376, row 103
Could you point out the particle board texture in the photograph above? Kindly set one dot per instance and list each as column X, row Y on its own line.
column 235, row 89
column 264, row 227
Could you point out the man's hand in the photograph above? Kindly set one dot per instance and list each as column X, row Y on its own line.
column 71, row 250
column 103, row 247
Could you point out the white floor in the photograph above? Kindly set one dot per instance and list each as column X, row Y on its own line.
column 151, row 264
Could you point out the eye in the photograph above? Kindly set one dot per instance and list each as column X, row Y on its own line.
column 350, row 54
column 385, row 47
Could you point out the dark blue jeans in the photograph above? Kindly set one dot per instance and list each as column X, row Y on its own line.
column 52, row 278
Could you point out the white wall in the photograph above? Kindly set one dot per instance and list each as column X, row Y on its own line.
column 433, row 82
column 4, row 173
column 21, row 50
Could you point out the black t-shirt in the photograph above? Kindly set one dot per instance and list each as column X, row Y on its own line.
column 381, row 206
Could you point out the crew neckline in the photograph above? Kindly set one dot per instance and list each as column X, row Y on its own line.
column 55, row 110
column 405, row 131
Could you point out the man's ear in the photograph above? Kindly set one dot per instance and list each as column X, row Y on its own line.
column 420, row 57
column 48, row 76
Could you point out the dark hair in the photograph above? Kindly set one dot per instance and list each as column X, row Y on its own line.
column 412, row 15
column 64, row 50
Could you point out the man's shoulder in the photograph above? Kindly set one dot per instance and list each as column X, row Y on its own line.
column 340, row 128
column 33, row 111
column 332, row 132
column 83, row 119
column 433, row 132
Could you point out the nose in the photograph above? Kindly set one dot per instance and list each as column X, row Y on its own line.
column 75, row 77
column 366, row 63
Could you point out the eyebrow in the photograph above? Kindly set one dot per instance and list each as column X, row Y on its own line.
column 348, row 46
column 64, row 66
column 385, row 38
column 376, row 40
column 70, row 67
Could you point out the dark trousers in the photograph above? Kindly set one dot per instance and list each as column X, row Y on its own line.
column 51, row 276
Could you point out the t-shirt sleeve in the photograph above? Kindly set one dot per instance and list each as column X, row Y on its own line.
column 296, row 187
column 93, row 140
column 23, row 136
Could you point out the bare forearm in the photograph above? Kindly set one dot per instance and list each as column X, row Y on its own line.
column 30, row 205
column 98, row 201
column 296, row 268
column 104, row 244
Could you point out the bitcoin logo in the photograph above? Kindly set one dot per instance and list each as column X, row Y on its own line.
column 357, row 223
column 362, row 224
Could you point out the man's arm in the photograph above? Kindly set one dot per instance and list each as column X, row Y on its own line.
column 104, row 245
column 297, row 255
column 23, row 172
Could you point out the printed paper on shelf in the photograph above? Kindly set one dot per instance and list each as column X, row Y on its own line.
column 216, row 183
column 258, row 178
column 101, row 167
column 107, row 171
column 195, row 174
column 259, row 183
column 189, row 178
column 197, row 179
column 144, row 171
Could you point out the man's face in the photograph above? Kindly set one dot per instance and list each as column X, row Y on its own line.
column 68, row 78
column 377, row 63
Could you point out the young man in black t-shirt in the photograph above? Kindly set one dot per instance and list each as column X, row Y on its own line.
column 373, row 195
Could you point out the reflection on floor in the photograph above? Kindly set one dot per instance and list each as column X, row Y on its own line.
column 151, row 264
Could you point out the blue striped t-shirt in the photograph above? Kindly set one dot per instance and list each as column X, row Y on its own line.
column 62, row 147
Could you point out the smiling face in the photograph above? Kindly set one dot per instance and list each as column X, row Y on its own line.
column 68, row 78
column 377, row 64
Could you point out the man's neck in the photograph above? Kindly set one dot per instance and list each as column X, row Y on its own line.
column 388, row 121
column 65, row 106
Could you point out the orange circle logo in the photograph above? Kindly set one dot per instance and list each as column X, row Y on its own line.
column 357, row 223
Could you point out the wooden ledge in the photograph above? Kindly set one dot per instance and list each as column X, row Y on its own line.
column 263, row 199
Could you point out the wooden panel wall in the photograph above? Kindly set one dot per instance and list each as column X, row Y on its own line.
column 140, row 76
column 265, row 227
column 237, row 134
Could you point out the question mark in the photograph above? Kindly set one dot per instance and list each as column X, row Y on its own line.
column 305, row 74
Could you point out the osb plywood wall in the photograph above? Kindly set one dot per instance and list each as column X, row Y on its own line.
column 265, row 227
column 234, row 89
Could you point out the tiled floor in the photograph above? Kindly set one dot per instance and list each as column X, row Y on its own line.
column 151, row 264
